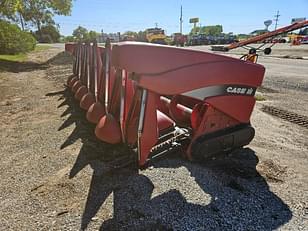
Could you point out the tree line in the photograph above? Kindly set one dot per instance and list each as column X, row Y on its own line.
column 207, row 30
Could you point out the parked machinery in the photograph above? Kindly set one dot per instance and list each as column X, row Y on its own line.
column 203, row 39
column 159, row 99
column 262, row 38
column 156, row 35
column 179, row 39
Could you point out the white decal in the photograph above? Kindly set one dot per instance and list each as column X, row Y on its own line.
column 249, row 91
column 240, row 90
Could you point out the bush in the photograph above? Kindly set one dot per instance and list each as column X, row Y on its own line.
column 13, row 40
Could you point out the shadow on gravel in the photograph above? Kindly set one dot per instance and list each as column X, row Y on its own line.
column 16, row 67
column 60, row 59
column 240, row 197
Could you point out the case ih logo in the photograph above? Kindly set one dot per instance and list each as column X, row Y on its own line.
column 241, row 90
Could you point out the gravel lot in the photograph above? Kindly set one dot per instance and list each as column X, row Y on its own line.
column 52, row 179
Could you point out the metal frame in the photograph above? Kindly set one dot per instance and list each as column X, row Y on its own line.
column 106, row 98
column 122, row 101
column 81, row 63
column 85, row 60
column 88, row 46
column 246, row 47
column 94, row 48
column 76, row 60
column 141, row 120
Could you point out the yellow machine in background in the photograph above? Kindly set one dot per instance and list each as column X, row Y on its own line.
column 156, row 35
column 295, row 39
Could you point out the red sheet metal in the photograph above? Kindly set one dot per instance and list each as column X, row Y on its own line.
column 171, row 71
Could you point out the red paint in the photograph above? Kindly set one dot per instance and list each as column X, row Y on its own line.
column 87, row 100
column 72, row 82
column 108, row 130
column 76, row 86
column 95, row 112
column 166, row 73
column 81, row 92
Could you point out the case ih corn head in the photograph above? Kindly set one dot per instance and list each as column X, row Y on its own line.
column 156, row 99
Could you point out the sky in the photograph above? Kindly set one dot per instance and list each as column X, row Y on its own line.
column 237, row 16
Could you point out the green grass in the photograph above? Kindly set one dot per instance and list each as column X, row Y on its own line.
column 14, row 58
column 259, row 97
column 23, row 57
column 41, row 48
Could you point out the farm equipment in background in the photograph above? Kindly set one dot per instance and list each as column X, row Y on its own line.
column 179, row 39
column 262, row 38
column 203, row 39
column 158, row 99
column 156, row 35
column 296, row 39
column 304, row 40
column 129, row 38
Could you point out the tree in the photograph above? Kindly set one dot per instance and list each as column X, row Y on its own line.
column 212, row 30
column 130, row 33
column 8, row 8
column 49, row 34
column 14, row 40
column 242, row 36
column 35, row 12
column 92, row 35
column 207, row 30
column 81, row 34
column 69, row 38
column 195, row 30
column 141, row 36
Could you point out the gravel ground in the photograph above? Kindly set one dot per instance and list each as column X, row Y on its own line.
column 52, row 179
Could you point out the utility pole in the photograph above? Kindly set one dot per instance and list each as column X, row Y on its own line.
column 276, row 19
column 181, row 20
column 156, row 25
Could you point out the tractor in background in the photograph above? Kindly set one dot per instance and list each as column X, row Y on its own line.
column 156, row 35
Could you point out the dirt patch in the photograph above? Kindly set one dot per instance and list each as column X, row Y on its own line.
column 272, row 171
column 263, row 89
column 55, row 184
column 286, row 115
